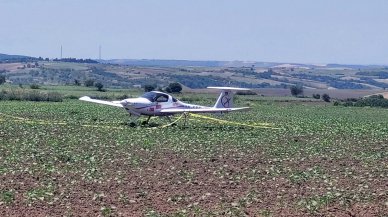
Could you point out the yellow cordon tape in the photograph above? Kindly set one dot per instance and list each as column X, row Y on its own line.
column 167, row 125
column 263, row 125
column 10, row 116
column 101, row 126
column 25, row 120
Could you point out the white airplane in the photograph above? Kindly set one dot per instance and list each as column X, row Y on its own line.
column 157, row 103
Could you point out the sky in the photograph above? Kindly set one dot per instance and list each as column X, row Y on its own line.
column 295, row 31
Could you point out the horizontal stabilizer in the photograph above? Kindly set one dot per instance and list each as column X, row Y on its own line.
column 88, row 99
column 228, row 88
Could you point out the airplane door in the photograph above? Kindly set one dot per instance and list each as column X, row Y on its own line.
column 160, row 100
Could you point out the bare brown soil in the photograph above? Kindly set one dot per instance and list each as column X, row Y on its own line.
column 220, row 185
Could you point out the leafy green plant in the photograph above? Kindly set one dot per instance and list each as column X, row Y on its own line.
column 7, row 197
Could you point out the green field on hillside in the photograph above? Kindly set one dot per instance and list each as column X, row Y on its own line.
column 71, row 158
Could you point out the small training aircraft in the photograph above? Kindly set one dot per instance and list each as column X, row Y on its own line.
column 156, row 103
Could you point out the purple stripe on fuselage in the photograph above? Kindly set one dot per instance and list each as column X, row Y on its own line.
column 160, row 108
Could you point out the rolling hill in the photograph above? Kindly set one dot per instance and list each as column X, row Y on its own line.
column 194, row 74
column 14, row 58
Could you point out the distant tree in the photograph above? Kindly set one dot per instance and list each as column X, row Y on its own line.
column 168, row 90
column 296, row 90
column 47, row 59
column 99, row 86
column 2, row 79
column 34, row 86
column 76, row 82
column 316, row 96
column 75, row 60
column 149, row 87
column 326, row 97
column 174, row 87
column 246, row 92
column 89, row 83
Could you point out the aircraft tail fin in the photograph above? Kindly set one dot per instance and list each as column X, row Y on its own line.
column 225, row 100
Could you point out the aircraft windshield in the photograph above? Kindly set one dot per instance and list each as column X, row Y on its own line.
column 155, row 97
column 150, row 96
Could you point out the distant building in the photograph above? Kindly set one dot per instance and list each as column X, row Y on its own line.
column 137, row 86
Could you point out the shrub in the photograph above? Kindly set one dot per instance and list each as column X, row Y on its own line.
column 124, row 96
column 76, row 82
column 372, row 101
column 296, row 90
column 348, row 103
column 89, row 83
column 71, row 97
column 34, row 86
column 168, row 90
column 34, row 95
column 326, row 97
column 351, row 100
column 2, row 79
column 316, row 96
column 3, row 95
column 149, row 87
column 99, row 86
column 14, row 94
column 174, row 87
column 378, row 96
column 54, row 97
column 247, row 92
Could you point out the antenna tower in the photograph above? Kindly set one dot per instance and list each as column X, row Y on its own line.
column 99, row 52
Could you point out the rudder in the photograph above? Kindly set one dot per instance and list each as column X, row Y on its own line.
column 225, row 100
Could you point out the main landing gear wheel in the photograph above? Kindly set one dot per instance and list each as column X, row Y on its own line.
column 147, row 121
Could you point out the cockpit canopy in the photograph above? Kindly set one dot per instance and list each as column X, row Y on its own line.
column 157, row 97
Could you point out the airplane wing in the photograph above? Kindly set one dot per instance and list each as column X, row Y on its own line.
column 88, row 99
column 203, row 110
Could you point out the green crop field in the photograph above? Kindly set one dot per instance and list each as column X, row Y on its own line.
column 73, row 158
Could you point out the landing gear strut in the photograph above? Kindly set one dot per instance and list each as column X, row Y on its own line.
column 147, row 121
column 186, row 115
column 132, row 122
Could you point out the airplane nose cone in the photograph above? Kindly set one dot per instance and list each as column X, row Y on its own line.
column 124, row 102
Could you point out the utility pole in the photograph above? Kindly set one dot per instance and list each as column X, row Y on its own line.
column 61, row 51
column 99, row 52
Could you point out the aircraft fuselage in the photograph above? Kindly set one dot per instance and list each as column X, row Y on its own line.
column 153, row 102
